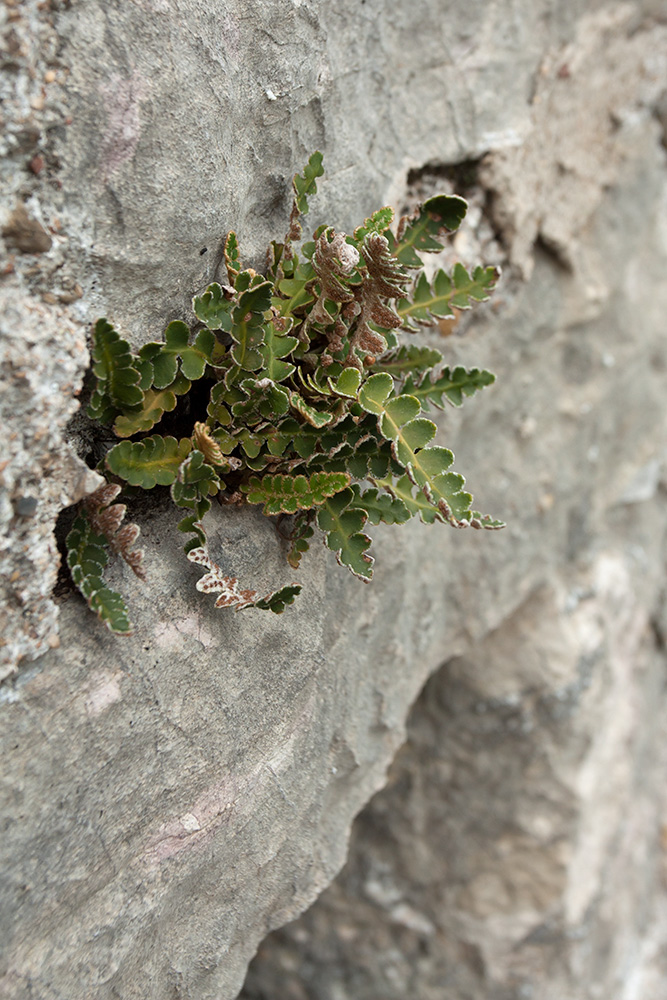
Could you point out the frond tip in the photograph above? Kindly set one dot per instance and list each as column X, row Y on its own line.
column 87, row 557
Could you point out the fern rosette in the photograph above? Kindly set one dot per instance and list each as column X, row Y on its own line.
column 297, row 394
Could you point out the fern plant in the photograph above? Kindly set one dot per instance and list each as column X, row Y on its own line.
column 316, row 407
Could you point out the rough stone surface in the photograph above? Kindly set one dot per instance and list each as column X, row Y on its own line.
column 170, row 798
column 43, row 353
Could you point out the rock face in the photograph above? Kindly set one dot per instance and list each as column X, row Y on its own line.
column 170, row 798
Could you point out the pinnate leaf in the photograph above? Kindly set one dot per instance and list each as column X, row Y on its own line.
column 232, row 259
column 164, row 357
column 305, row 184
column 380, row 506
column 155, row 460
column 118, row 379
column 276, row 346
column 421, row 232
column 408, row 359
column 87, row 557
column 449, row 384
column 299, row 538
column 434, row 301
column 341, row 523
column 378, row 222
column 248, row 329
column 156, row 403
column 214, row 307
column 285, row 494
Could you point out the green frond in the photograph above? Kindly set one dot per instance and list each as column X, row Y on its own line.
column 118, row 379
column 156, row 403
column 436, row 300
column 232, row 259
column 305, row 184
column 214, row 307
column 284, row 494
column 421, row 232
column 155, row 460
column 87, row 557
column 341, row 523
column 452, row 385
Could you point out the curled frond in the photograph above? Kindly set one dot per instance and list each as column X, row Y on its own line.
column 234, row 596
column 106, row 517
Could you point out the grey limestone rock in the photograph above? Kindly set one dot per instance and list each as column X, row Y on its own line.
column 170, row 798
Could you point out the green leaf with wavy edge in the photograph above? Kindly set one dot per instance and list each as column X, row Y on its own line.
column 155, row 460
column 342, row 524
column 118, row 379
column 299, row 538
column 304, row 439
column 264, row 400
column 369, row 456
column 248, row 329
column 375, row 391
column 449, row 384
column 193, row 357
column 347, row 384
column 410, row 435
column 421, row 232
column 296, row 291
column 430, row 302
column 275, row 347
column 380, row 506
column 192, row 525
column 316, row 418
column 256, row 297
column 285, row 494
column 408, row 359
column 279, row 599
column 249, row 441
column 156, row 403
column 87, row 558
column 305, row 184
column 214, row 307
column 196, row 480
column 217, row 409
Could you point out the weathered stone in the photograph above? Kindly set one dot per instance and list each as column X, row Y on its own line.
column 518, row 849
column 171, row 797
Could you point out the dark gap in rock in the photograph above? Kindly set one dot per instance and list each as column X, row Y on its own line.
column 463, row 176
column 554, row 254
column 64, row 586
